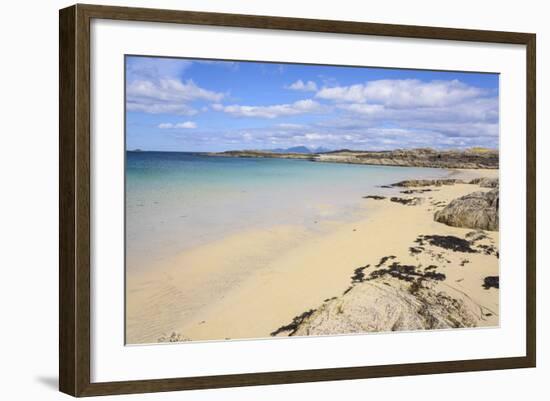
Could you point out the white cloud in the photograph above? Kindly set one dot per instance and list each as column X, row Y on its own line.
column 170, row 90
column 139, row 68
column 289, row 126
column 161, row 108
column 272, row 111
column 185, row 125
column 364, row 109
column 402, row 93
column 167, row 95
column 303, row 86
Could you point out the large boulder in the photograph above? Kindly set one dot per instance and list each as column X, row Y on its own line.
column 478, row 210
column 386, row 305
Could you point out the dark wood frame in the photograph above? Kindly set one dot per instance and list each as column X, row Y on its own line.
column 74, row 199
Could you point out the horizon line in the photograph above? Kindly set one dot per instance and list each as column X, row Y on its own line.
column 327, row 151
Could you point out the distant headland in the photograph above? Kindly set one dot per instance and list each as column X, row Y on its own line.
column 472, row 158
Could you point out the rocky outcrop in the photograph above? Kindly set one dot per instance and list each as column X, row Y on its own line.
column 474, row 158
column 485, row 182
column 423, row 157
column 427, row 183
column 386, row 305
column 478, row 210
column 389, row 296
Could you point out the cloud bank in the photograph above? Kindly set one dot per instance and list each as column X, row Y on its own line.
column 282, row 112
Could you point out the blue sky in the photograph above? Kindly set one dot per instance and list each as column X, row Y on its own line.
column 202, row 105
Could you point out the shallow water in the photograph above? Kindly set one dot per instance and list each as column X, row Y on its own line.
column 175, row 201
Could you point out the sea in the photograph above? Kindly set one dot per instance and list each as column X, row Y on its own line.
column 178, row 200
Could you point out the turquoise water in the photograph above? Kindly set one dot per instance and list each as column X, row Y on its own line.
column 175, row 201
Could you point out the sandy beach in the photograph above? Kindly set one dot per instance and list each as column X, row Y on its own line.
column 252, row 283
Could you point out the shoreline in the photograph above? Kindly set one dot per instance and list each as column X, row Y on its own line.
column 217, row 291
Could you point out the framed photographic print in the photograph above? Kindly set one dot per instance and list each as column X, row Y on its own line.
column 250, row 200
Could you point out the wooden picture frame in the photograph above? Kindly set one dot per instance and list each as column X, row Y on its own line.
column 74, row 203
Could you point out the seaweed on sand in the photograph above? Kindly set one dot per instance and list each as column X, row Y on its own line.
column 293, row 326
column 359, row 274
column 446, row 242
column 414, row 250
column 491, row 282
column 406, row 201
column 385, row 259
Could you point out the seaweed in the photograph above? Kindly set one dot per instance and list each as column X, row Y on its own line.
column 491, row 282
column 359, row 274
column 396, row 270
column 488, row 249
column 385, row 259
column 415, row 191
column 451, row 242
column 406, row 201
column 292, row 327
column 435, row 276
column 415, row 250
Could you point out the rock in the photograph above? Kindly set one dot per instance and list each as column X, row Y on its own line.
column 485, row 182
column 375, row 197
column 428, row 183
column 386, row 305
column 478, row 210
column 423, row 157
column 474, row 236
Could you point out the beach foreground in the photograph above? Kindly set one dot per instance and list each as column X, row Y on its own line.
column 393, row 268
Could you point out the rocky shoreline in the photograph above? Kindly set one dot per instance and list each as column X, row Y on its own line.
column 474, row 158
column 391, row 295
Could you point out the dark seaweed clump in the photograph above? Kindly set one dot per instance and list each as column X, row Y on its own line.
column 415, row 250
column 385, row 259
column 488, row 249
column 375, row 197
column 434, row 276
column 406, row 273
column 491, row 282
column 359, row 274
column 415, row 191
column 446, row 242
column 292, row 327
column 405, row 201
